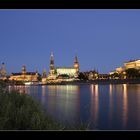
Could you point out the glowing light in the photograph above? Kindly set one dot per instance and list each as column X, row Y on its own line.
column 125, row 104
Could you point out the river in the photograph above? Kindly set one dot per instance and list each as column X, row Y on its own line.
column 102, row 107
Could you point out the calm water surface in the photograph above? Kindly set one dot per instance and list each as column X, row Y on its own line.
column 103, row 107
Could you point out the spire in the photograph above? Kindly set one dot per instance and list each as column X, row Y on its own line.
column 76, row 59
column 51, row 54
column 52, row 59
column 76, row 64
column 52, row 63
column 23, row 69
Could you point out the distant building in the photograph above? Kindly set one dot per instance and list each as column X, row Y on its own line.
column 103, row 76
column 24, row 76
column 92, row 75
column 135, row 64
column 70, row 71
column 63, row 72
column 132, row 64
column 119, row 69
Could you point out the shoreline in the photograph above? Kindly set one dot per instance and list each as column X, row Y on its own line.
column 100, row 82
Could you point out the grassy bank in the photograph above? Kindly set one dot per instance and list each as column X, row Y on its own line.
column 21, row 112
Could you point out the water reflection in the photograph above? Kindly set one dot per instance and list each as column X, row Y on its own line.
column 110, row 104
column 20, row 89
column 64, row 102
column 125, row 105
column 43, row 100
column 94, row 107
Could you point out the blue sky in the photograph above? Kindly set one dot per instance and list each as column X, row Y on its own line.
column 102, row 39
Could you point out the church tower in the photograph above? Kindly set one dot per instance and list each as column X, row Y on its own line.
column 76, row 64
column 52, row 64
column 23, row 70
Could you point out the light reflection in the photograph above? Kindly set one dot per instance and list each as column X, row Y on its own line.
column 94, row 108
column 110, row 89
column 43, row 90
column 20, row 89
column 125, row 105
column 110, row 103
column 64, row 102
column 43, row 100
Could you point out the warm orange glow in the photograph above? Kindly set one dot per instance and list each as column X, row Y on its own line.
column 110, row 102
column 94, row 102
column 125, row 104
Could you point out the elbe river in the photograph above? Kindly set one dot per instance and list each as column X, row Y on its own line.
column 102, row 107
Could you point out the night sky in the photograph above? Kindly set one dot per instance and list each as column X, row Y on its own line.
column 102, row 39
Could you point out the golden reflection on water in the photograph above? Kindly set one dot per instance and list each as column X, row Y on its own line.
column 23, row 89
column 122, row 102
column 94, row 107
column 43, row 100
column 43, row 90
column 110, row 103
column 125, row 105
column 64, row 100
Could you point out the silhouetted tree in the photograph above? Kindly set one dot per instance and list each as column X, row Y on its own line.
column 39, row 77
column 132, row 73
column 82, row 76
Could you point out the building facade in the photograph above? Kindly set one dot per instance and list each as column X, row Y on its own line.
column 69, row 72
column 24, row 76
column 132, row 64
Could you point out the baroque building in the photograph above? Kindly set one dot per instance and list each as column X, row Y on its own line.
column 127, row 65
column 132, row 64
column 63, row 72
column 24, row 76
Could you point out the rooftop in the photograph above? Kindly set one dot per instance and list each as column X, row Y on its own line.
column 64, row 67
column 27, row 73
column 132, row 60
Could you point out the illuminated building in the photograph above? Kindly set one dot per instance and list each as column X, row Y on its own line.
column 63, row 72
column 24, row 76
column 132, row 64
column 135, row 64
column 92, row 75
column 71, row 72
column 52, row 73
column 119, row 69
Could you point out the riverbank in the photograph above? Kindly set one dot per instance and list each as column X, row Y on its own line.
column 103, row 81
column 18, row 111
column 83, row 82
column 21, row 112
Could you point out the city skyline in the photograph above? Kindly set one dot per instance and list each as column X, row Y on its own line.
column 102, row 39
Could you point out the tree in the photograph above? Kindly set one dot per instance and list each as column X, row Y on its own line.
column 39, row 78
column 82, row 76
column 132, row 73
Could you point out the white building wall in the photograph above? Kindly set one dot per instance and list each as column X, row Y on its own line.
column 68, row 71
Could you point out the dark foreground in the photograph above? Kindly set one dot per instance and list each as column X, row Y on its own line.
column 18, row 111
